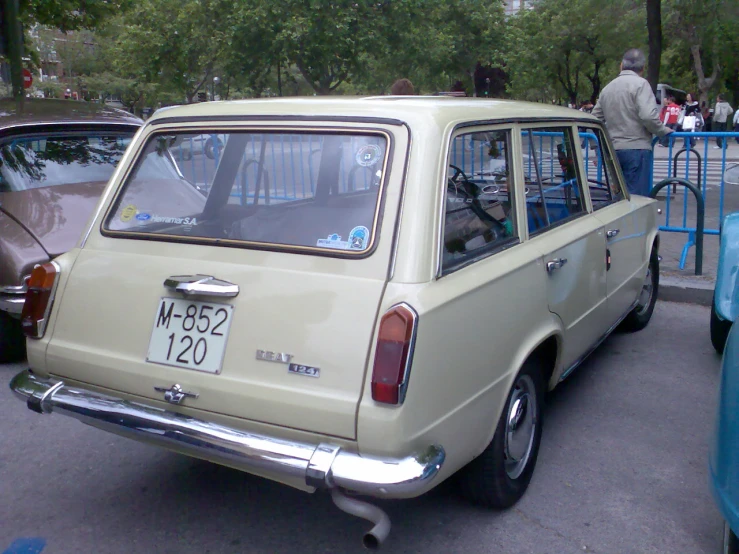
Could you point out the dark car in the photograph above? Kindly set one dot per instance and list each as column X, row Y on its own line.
column 55, row 158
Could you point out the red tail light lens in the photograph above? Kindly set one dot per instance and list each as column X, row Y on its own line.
column 394, row 354
column 39, row 298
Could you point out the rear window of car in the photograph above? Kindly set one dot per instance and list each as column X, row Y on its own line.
column 316, row 191
column 29, row 162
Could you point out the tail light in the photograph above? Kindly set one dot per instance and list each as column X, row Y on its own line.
column 394, row 354
column 39, row 299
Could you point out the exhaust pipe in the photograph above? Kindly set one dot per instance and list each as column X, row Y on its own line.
column 374, row 538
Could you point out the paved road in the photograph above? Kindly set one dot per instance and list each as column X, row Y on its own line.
column 622, row 470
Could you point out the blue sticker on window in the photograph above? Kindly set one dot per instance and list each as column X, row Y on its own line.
column 143, row 216
column 358, row 238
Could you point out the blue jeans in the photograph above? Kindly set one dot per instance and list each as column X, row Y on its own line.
column 636, row 166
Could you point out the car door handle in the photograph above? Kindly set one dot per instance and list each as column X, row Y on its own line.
column 612, row 233
column 203, row 285
column 556, row 263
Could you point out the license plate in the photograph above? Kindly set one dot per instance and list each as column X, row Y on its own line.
column 190, row 334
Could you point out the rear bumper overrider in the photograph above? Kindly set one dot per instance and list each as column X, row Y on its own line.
column 323, row 465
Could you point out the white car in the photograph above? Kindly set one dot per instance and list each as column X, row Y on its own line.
column 381, row 313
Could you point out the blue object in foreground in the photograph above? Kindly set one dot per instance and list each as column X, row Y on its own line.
column 32, row 545
column 724, row 455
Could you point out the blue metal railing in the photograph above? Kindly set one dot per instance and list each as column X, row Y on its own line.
column 696, row 158
column 285, row 165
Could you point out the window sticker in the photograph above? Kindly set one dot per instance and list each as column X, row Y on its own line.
column 143, row 217
column 333, row 241
column 358, row 238
column 368, row 155
column 127, row 213
column 174, row 220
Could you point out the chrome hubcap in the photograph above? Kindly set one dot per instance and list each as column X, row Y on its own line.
column 521, row 421
column 645, row 296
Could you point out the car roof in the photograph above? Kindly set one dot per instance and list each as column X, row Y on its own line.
column 414, row 110
column 51, row 111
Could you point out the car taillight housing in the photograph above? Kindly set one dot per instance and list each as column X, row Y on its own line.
column 39, row 299
column 394, row 354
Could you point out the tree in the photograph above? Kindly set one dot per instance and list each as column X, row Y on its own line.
column 178, row 52
column 697, row 30
column 562, row 48
column 654, row 29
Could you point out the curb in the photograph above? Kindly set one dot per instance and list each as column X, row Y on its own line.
column 689, row 291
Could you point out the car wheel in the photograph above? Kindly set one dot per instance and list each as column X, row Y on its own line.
column 731, row 542
column 639, row 317
column 719, row 329
column 500, row 475
column 12, row 340
column 210, row 150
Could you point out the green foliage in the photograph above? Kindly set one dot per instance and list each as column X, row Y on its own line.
column 565, row 49
column 67, row 15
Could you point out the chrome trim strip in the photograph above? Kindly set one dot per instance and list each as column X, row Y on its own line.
column 411, row 350
column 41, row 326
column 325, row 465
column 403, row 186
column 596, row 344
column 12, row 305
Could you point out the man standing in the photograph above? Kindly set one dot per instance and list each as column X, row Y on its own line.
column 720, row 117
column 629, row 109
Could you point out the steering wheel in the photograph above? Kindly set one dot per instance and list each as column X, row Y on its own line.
column 496, row 226
column 457, row 172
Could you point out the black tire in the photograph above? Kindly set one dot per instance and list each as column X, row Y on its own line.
column 731, row 542
column 12, row 340
column 719, row 329
column 639, row 317
column 495, row 479
column 210, row 149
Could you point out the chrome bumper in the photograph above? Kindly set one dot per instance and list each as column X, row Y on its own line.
column 12, row 305
column 320, row 465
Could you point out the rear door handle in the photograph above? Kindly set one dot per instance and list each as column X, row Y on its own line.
column 612, row 233
column 202, row 285
column 556, row 263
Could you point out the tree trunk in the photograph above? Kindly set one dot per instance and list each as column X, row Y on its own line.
column 15, row 46
column 654, row 28
column 704, row 83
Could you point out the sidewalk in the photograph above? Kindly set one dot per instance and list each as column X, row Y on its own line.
column 683, row 285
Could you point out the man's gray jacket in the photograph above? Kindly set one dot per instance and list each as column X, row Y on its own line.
column 722, row 112
column 628, row 108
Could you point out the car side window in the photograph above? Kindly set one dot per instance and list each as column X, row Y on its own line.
column 479, row 215
column 553, row 184
column 600, row 171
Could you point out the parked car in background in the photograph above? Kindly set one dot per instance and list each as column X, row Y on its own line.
column 55, row 158
column 368, row 296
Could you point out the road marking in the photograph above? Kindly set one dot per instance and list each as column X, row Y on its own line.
column 31, row 545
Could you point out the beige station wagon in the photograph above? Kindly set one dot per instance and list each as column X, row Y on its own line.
column 368, row 296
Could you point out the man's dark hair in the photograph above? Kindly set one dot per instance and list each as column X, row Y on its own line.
column 402, row 87
column 720, row 98
column 633, row 60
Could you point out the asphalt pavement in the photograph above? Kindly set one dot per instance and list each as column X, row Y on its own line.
column 622, row 469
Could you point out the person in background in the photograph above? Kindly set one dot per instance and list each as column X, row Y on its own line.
column 587, row 107
column 670, row 115
column 628, row 108
column 721, row 115
column 402, row 87
column 691, row 119
column 736, row 124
